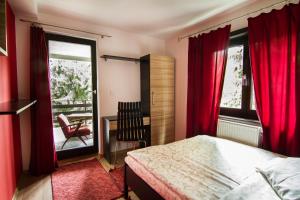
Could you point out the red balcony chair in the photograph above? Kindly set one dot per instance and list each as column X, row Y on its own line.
column 72, row 130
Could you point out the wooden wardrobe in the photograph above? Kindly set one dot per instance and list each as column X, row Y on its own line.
column 158, row 96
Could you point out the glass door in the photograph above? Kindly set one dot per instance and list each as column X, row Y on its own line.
column 72, row 63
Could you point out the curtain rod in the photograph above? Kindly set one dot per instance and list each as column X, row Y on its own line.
column 101, row 35
column 201, row 31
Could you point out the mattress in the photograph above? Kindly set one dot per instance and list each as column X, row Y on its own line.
column 201, row 167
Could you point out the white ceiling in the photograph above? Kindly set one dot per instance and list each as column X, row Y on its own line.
column 158, row 18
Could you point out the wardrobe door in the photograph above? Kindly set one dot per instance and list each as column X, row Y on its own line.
column 162, row 103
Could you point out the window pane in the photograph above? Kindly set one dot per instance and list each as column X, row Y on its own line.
column 253, row 106
column 232, row 89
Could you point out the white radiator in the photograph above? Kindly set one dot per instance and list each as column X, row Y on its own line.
column 243, row 133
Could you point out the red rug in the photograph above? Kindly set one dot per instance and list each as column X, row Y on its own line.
column 118, row 177
column 86, row 180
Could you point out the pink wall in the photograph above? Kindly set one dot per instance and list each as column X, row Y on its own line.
column 10, row 146
column 179, row 50
column 117, row 80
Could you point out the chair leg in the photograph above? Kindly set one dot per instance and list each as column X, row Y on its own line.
column 125, row 182
column 65, row 143
column 115, row 158
column 82, row 140
column 145, row 143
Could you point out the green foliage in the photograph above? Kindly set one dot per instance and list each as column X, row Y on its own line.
column 70, row 81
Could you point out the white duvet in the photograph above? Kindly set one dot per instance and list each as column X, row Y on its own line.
column 253, row 188
column 278, row 179
column 202, row 167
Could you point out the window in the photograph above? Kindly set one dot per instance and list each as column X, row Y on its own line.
column 232, row 89
column 238, row 93
column 253, row 105
column 73, row 86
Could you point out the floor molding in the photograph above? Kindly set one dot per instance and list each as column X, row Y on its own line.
column 15, row 194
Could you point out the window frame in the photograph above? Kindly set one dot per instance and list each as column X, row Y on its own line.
column 86, row 150
column 240, row 37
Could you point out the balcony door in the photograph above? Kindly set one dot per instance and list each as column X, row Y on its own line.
column 72, row 63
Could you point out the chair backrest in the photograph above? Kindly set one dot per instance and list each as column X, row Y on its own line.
column 130, row 125
column 64, row 123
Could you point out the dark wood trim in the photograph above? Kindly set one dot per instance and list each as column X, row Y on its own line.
column 125, row 190
column 70, row 39
column 68, row 153
column 240, row 37
column 106, row 57
column 240, row 120
column 145, row 84
column 238, row 113
column 72, row 105
column 138, row 186
column 238, row 33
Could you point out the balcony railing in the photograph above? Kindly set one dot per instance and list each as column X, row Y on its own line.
column 70, row 107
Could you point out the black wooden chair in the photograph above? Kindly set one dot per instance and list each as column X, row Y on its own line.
column 130, row 124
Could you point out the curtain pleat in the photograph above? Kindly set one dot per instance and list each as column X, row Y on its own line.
column 207, row 56
column 274, row 42
column 43, row 154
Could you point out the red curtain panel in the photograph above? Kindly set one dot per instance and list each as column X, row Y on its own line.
column 43, row 155
column 207, row 56
column 274, row 41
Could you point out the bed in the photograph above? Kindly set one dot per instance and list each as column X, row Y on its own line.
column 201, row 167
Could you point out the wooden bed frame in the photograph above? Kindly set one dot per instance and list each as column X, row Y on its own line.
column 138, row 186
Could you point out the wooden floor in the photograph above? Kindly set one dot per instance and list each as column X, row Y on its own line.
column 40, row 188
column 34, row 188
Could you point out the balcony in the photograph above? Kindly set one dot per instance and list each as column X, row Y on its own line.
column 74, row 111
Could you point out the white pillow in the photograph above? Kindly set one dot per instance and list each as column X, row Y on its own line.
column 255, row 187
column 283, row 174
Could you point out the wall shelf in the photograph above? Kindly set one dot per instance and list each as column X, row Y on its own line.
column 15, row 107
column 106, row 57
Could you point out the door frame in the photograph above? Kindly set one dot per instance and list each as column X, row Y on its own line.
column 68, row 153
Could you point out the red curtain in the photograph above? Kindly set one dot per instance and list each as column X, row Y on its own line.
column 207, row 58
column 43, row 155
column 274, row 41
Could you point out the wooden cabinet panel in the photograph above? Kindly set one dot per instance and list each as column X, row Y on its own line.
column 163, row 111
column 162, row 102
column 162, row 134
column 159, row 99
column 157, row 60
column 161, row 72
column 158, row 96
column 164, row 121
column 161, row 75
column 164, row 83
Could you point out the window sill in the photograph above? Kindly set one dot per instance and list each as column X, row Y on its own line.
column 240, row 120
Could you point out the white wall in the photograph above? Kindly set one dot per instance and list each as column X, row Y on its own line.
column 117, row 80
column 179, row 50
